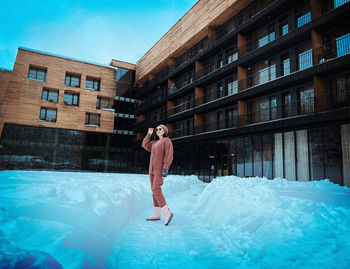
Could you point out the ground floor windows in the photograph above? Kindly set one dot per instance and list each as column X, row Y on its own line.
column 302, row 155
column 345, row 142
column 299, row 155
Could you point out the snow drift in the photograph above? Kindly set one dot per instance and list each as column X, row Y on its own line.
column 97, row 220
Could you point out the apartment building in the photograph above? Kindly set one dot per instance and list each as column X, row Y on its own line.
column 62, row 113
column 252, row 88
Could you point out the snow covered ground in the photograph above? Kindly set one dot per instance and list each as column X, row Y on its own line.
column 97, row 220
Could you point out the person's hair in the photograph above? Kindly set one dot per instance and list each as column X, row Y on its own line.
column 155, row 133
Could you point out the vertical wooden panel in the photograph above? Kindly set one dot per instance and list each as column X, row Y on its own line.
column 242, row 78
column 242, row 113
column 320, row 93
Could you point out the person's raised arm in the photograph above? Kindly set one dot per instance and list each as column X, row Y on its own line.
column 146, row 142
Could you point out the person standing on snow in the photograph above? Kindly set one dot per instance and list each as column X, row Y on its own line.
column 161, row 157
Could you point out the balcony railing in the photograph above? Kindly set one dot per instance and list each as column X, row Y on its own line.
column 215, row 93
column 181, row 107
column 303, row 106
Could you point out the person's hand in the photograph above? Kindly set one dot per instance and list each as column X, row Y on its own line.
column 150, row 130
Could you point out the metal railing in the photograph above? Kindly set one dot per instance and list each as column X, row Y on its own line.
column 303, row 106
column 181, row 107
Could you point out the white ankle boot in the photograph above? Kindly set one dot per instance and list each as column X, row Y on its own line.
column 156, row 214
column 167, row 214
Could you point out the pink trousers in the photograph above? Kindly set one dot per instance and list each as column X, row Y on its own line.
column 156, row 186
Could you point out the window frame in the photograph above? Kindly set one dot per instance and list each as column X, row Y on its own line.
column 36, row 70
column 45, row 117
column 88, row 120
column 94, row 81
column 71, row 75
column 98, row 103
column 48, row 94
column 73, row 95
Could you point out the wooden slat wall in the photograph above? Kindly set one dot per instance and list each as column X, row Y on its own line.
column 23, row 101
column 189, row 30
column 4, row 81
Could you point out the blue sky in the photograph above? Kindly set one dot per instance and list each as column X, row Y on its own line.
column 95, row 31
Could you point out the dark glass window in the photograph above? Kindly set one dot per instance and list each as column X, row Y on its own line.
column 248, row 148
column 92, row 119
column 306, row 101
column 92, row 84
column 257, row 155
column 341, row 91
column 37, row 74
column 47, row 114
column 316, row 153
column 72, row 80
column 287, row 105
column 240, row 157
column 333, row 154
column 71, row 99
column 102, row 103
column 264, row 109
column 231, row 117
column 49, row 95
column 268, row 148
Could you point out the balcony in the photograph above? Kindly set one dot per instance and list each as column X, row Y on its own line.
column 181, row 107
column 316, row 106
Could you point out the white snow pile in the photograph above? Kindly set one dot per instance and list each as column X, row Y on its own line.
column 279, row 222
column 97, row 220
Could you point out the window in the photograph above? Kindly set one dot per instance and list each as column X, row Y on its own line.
column 102, row 103
column 285, row 29
column 266, row 39
column 343, row 45
column 287, row 105
column 304, row 19
column 231, row 55
column 231, row 117
column 232, row 87
column 47, row 114
column 306, row 101
column 92, row 119
column 267, row 74
column 220, row 60
column 92, row 84
column 220, row 91
column 72, row 80
column 305, row 59
column 338, row 3
column 71, row 99
column 285, row 62
column 264, row 109
column 37, row 73
column 49, row 95
column 341, row 90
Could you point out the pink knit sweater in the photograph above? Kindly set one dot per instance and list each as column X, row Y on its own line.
column 161, row 154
